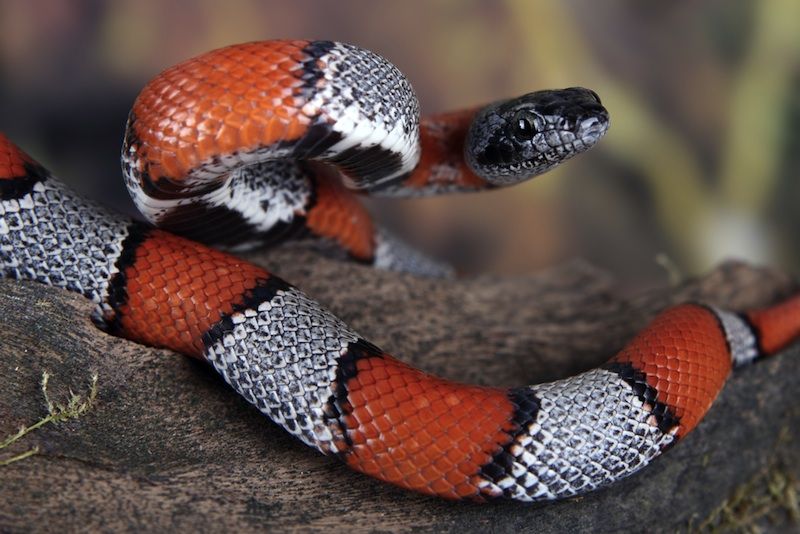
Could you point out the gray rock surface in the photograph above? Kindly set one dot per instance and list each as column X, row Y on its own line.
column 168, row 445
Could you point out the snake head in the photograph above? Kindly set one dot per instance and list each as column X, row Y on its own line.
column 512, row 140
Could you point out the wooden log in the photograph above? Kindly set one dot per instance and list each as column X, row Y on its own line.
column 167, row 445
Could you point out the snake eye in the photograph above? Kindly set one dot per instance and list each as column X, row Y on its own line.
column 524, row 125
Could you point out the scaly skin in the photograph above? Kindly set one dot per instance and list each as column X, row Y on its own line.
column 204, row 133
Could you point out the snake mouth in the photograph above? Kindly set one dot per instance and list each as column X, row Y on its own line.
column 564, row 140
column 592, row 129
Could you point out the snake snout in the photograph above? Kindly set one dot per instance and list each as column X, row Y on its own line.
column 591, row 129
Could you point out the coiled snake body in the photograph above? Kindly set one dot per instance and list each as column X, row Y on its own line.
column 238, row 147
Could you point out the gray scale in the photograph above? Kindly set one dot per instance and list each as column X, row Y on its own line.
column 367, row 84
column 52, row 236
column 370, row 102
column 259, row 184
column 265, row 193
column 393, row 254
column 591, row 430
column 282, row 357
column 742, row 341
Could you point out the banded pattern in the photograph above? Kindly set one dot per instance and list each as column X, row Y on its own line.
column 201, row 145
column 201, row 131
column 589, row 431
column 49, row 234
column 281, row 352
column 230, row 148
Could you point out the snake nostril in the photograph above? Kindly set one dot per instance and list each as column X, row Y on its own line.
column 595, row 96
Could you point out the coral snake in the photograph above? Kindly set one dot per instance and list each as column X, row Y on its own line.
column 263, row 141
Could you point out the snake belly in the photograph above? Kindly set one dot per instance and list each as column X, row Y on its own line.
column 236, row 147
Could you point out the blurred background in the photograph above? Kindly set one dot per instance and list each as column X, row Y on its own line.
column 701, row 162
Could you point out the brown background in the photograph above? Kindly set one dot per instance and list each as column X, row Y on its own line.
column 701, row 162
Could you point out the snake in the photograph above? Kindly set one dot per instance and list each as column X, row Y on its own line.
column 260, row 142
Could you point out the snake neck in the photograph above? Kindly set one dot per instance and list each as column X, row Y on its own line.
column 442, row 166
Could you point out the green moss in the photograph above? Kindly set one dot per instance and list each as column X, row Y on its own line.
column 75, row 407
column 770, row 497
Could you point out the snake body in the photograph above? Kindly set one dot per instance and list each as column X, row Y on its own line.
column 262, row 141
